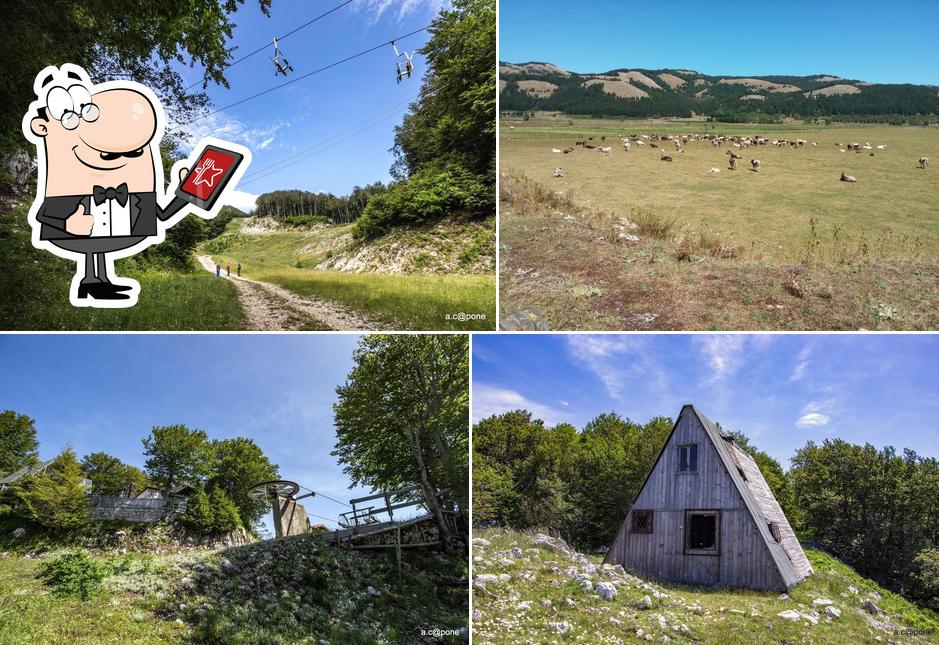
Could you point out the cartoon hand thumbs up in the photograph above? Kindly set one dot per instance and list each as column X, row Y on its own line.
column 78, row 223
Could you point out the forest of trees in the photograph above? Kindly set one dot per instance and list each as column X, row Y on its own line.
column 303, row 207
column 402, row 418
column 57, row 500
column 874, row 509
column 722, row 102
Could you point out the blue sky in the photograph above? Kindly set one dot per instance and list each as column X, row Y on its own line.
column 781, row 390
column 105, row 393
column 291, row 120
column 882, row 42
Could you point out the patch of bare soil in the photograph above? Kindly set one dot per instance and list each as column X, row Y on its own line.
column 575, row 267
column 671, row 80
column 618, row 88
column 756, row 82
column 541, row 89
column 270, row 307
column 834, row 90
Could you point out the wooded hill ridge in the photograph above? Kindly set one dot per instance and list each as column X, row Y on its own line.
column 683, row 93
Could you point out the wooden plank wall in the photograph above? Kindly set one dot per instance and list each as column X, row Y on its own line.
column 743, row 559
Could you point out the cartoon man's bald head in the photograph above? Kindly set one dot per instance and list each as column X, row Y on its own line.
column 95, row 139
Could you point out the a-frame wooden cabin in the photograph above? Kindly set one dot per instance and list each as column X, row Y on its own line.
column 705, row 515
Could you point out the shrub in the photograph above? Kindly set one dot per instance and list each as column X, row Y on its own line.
column 199, row 515
column 74, row 574
column 56, row 499
column 227, row 518
column 432, row 193
column 924, row 578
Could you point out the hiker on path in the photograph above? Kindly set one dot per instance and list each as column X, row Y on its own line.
column 228, row 270
column 218, row 270
column 239, row 269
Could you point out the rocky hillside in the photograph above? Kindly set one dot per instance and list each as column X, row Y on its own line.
column 443, row 248
column 535, row 588
column 300, row 589
column 683, row 92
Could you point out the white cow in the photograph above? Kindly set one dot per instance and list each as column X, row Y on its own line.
column 555, row 151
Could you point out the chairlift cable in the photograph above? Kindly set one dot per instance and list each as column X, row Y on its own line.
column 322, row 495
column 311, row 73
column 292, row 31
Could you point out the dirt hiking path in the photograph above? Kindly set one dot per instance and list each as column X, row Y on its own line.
column 269, row 307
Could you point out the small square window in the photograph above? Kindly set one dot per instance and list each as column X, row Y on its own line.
column 702, row 532
column 642, row 521
column 688, row 458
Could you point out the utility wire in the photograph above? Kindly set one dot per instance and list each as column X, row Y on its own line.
column 322, row 495
column 322, row 146
column 292, row 31
column 315, row 71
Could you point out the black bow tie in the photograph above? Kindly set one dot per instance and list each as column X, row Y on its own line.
column 100, row 194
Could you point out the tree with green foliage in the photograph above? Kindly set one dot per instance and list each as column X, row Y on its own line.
column 56, row 499
column 111, row 476
column 923, row 581
column 177, row 455
column 874, row 509
column 226, row 518
column 240, row 463
column 18, row 444
column 445, row 147
column 402, row 417
column 115, row 40
column 199, row 515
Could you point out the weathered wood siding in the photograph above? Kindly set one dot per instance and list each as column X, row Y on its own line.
column 102, row 507
column 742, row 560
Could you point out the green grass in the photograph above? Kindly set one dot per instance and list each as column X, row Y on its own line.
column 501, row 621
column 795, row 209
column 34, row 292
column 439, row 271
column 30, row 613
column 421, row 302
column 295, row 590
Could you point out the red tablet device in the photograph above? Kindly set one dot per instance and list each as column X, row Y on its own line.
column 207, row 178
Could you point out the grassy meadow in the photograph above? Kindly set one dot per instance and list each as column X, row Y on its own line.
column 892, row 212
column 34, row 288
column 536, row 601
column 431, row 285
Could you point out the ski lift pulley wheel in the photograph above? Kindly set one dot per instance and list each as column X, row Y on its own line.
column 276, row 488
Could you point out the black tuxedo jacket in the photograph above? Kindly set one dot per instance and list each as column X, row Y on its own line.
column 144, row 211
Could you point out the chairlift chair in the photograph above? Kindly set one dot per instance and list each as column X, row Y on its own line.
column 281, row 64
column 403, row 69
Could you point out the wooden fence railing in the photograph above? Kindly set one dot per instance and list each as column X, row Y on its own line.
column 134, row 510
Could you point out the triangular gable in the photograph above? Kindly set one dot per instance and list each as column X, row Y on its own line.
column 788, row 556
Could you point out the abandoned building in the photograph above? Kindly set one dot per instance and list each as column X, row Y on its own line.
column 705, row 515
column 149, row 505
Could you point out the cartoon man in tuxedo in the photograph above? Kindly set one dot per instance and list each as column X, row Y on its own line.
column 99, row 194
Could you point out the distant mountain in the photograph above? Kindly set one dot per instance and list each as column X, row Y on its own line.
column 683, row 92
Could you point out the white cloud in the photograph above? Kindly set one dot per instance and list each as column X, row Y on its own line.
column 813, row 415
column 226, row 127
column 812, row 419
column 802, row 365
column 489, row 400
column 564, row 403
column 241, row 200
column 613, row 359
column 401, row 8
column 724, row 353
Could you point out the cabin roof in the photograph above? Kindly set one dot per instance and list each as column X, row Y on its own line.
column 788, row 555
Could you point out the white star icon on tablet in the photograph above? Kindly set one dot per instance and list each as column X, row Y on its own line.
column 207, row 173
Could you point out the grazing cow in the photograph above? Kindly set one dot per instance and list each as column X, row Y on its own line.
column 714, row 171
column 587, row 146
column 626, row 146
column 846, row 177
column 640, row 142
column 733, row 163
column 557, row 172
column 755, row 165
column 882, row 147
column 605, row 150
column 555, row 151
column 665, row 157
column 580, row 143
column 923, row 162
column 603, row 138
column 652, row 145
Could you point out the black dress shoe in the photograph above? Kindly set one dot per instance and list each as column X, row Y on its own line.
column 117, row 287
column 101, row 291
